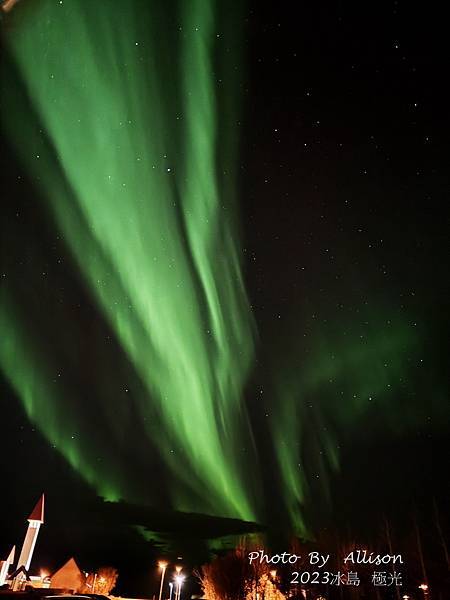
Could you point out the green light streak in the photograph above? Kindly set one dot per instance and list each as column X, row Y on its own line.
column 139, row 206
column 135, row 162
column 32, row 380
column 372, row 373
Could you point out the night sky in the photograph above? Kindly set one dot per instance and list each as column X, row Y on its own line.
column 312, row 325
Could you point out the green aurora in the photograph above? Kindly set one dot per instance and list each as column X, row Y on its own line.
column 139, row 175
column 154, row 238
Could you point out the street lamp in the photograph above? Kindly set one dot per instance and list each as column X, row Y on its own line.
column 178, row 580
column 163, row 566
column 178, row 569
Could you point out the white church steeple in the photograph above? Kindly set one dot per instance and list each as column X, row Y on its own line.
column 35, row 520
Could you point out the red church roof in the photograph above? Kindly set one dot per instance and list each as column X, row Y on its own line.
column 38, row 511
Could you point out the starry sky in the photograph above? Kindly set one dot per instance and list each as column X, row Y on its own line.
column 302, row 152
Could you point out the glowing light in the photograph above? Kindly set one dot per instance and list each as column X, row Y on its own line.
column 137, row 171
column 159, row 250
column 179, row 581
column 162, row 564
column 8, row 5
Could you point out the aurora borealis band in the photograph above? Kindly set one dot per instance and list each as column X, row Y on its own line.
column 153, row 236
column 127, row 122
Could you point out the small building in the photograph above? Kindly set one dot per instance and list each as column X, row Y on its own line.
column 69, row 577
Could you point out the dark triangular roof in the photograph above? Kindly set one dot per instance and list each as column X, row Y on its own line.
column 18, row 572
column 37, row 513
